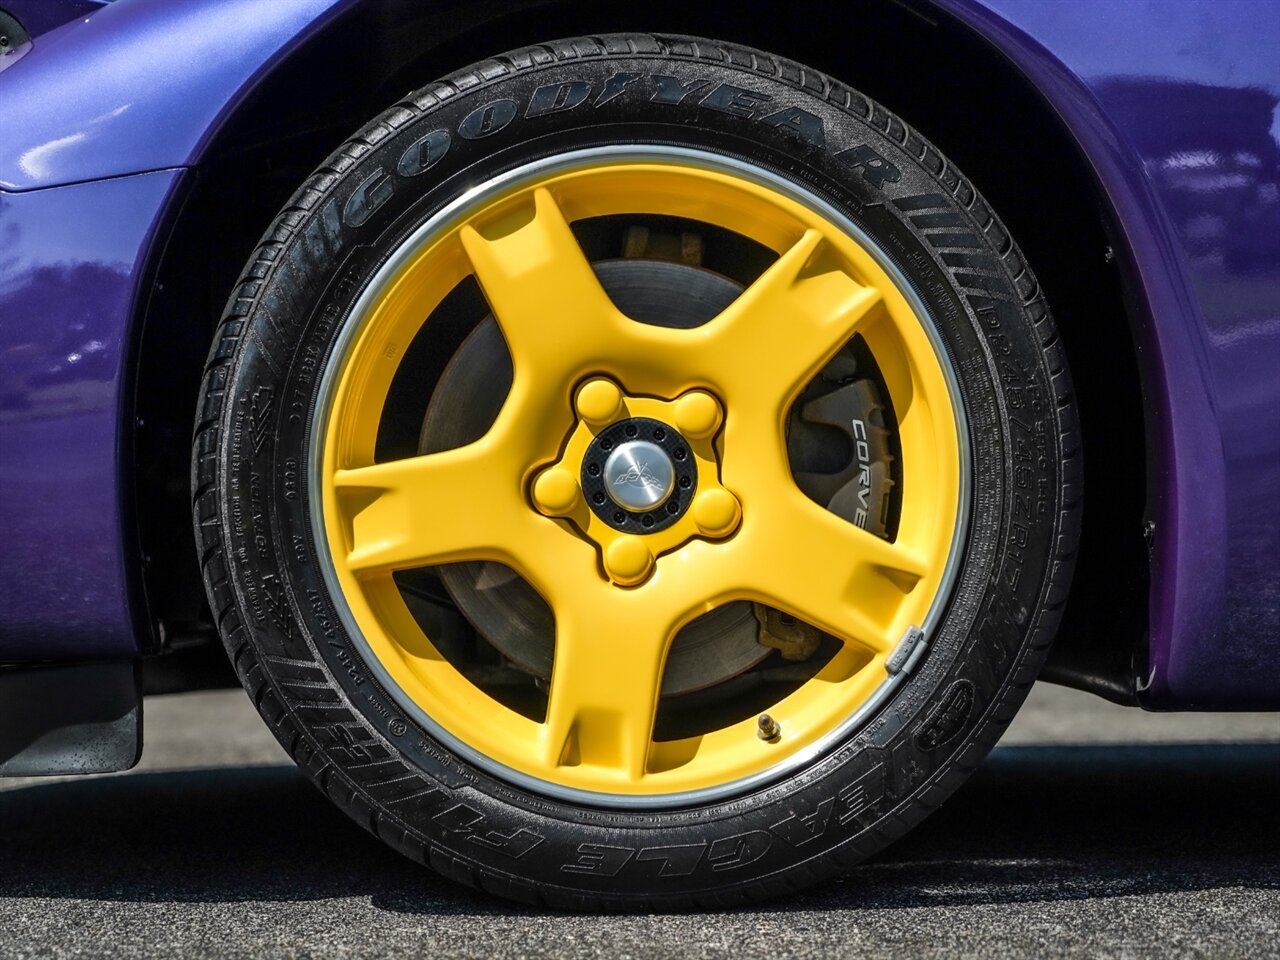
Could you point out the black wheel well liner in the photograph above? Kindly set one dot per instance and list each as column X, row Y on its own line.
column 932, row 71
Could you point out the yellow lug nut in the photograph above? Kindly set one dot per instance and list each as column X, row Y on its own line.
column 599, row 401
column 556, row 491
column 627, row 560
column 716, row 512
column 697, row 414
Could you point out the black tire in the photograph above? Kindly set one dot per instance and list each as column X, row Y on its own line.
column 307, row 678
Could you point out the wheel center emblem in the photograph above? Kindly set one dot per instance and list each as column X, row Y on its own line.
column 639, row 475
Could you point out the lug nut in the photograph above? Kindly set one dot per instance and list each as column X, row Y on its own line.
column 556, row 492
column 716, row 512
column 599, row 401
column 768, row 729
column 627, row 560
column 697, row 414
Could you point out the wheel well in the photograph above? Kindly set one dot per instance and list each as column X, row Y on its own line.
column 935, row 73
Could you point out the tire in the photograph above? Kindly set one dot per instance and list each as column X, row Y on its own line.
column 333, row 709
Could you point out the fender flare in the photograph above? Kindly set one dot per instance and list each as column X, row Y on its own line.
column 141, row 86
column 1186, row 509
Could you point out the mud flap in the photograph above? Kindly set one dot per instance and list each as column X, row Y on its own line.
column 58, row 720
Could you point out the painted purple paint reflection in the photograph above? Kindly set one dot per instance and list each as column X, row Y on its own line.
column 69, row 262
column 1169, row 102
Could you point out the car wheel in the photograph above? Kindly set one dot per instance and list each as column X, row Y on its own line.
column 637, row 471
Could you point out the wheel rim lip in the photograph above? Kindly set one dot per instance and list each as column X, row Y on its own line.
column 448, row 217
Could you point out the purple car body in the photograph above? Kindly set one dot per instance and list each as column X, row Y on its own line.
column 109, row 113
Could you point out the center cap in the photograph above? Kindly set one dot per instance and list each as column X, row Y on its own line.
column 638, row 475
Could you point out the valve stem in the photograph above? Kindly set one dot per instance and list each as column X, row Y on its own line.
column 768, row 729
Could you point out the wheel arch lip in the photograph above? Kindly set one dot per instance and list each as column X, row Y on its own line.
column 141, row 86
column 1186, row 513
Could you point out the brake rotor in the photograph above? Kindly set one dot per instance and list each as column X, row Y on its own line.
column 836, row 462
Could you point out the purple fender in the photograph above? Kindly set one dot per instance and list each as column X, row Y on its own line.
column 99, row 120
column 71, row 260
column 140, row 85
column 1173, row 105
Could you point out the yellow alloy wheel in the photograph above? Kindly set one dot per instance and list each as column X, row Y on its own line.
column 720, row 393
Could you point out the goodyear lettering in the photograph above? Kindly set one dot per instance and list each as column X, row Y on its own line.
column 614, row 86
column 671, row 90
column 424, row 153
column 322, row 235
column 486, row 120
column 804, row 124
column 373, row 192
column 876, row 170
column 737, row 101
column 555, row 97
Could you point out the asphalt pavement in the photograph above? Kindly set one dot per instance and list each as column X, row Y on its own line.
column 1092, row 830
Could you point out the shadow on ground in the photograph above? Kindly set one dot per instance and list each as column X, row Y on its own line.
column 1035, row 824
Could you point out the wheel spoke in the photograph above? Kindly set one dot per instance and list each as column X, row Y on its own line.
column 541, row 288
column 439, row 508
column 785, row 327
column 604, row 684
column 831, row 573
